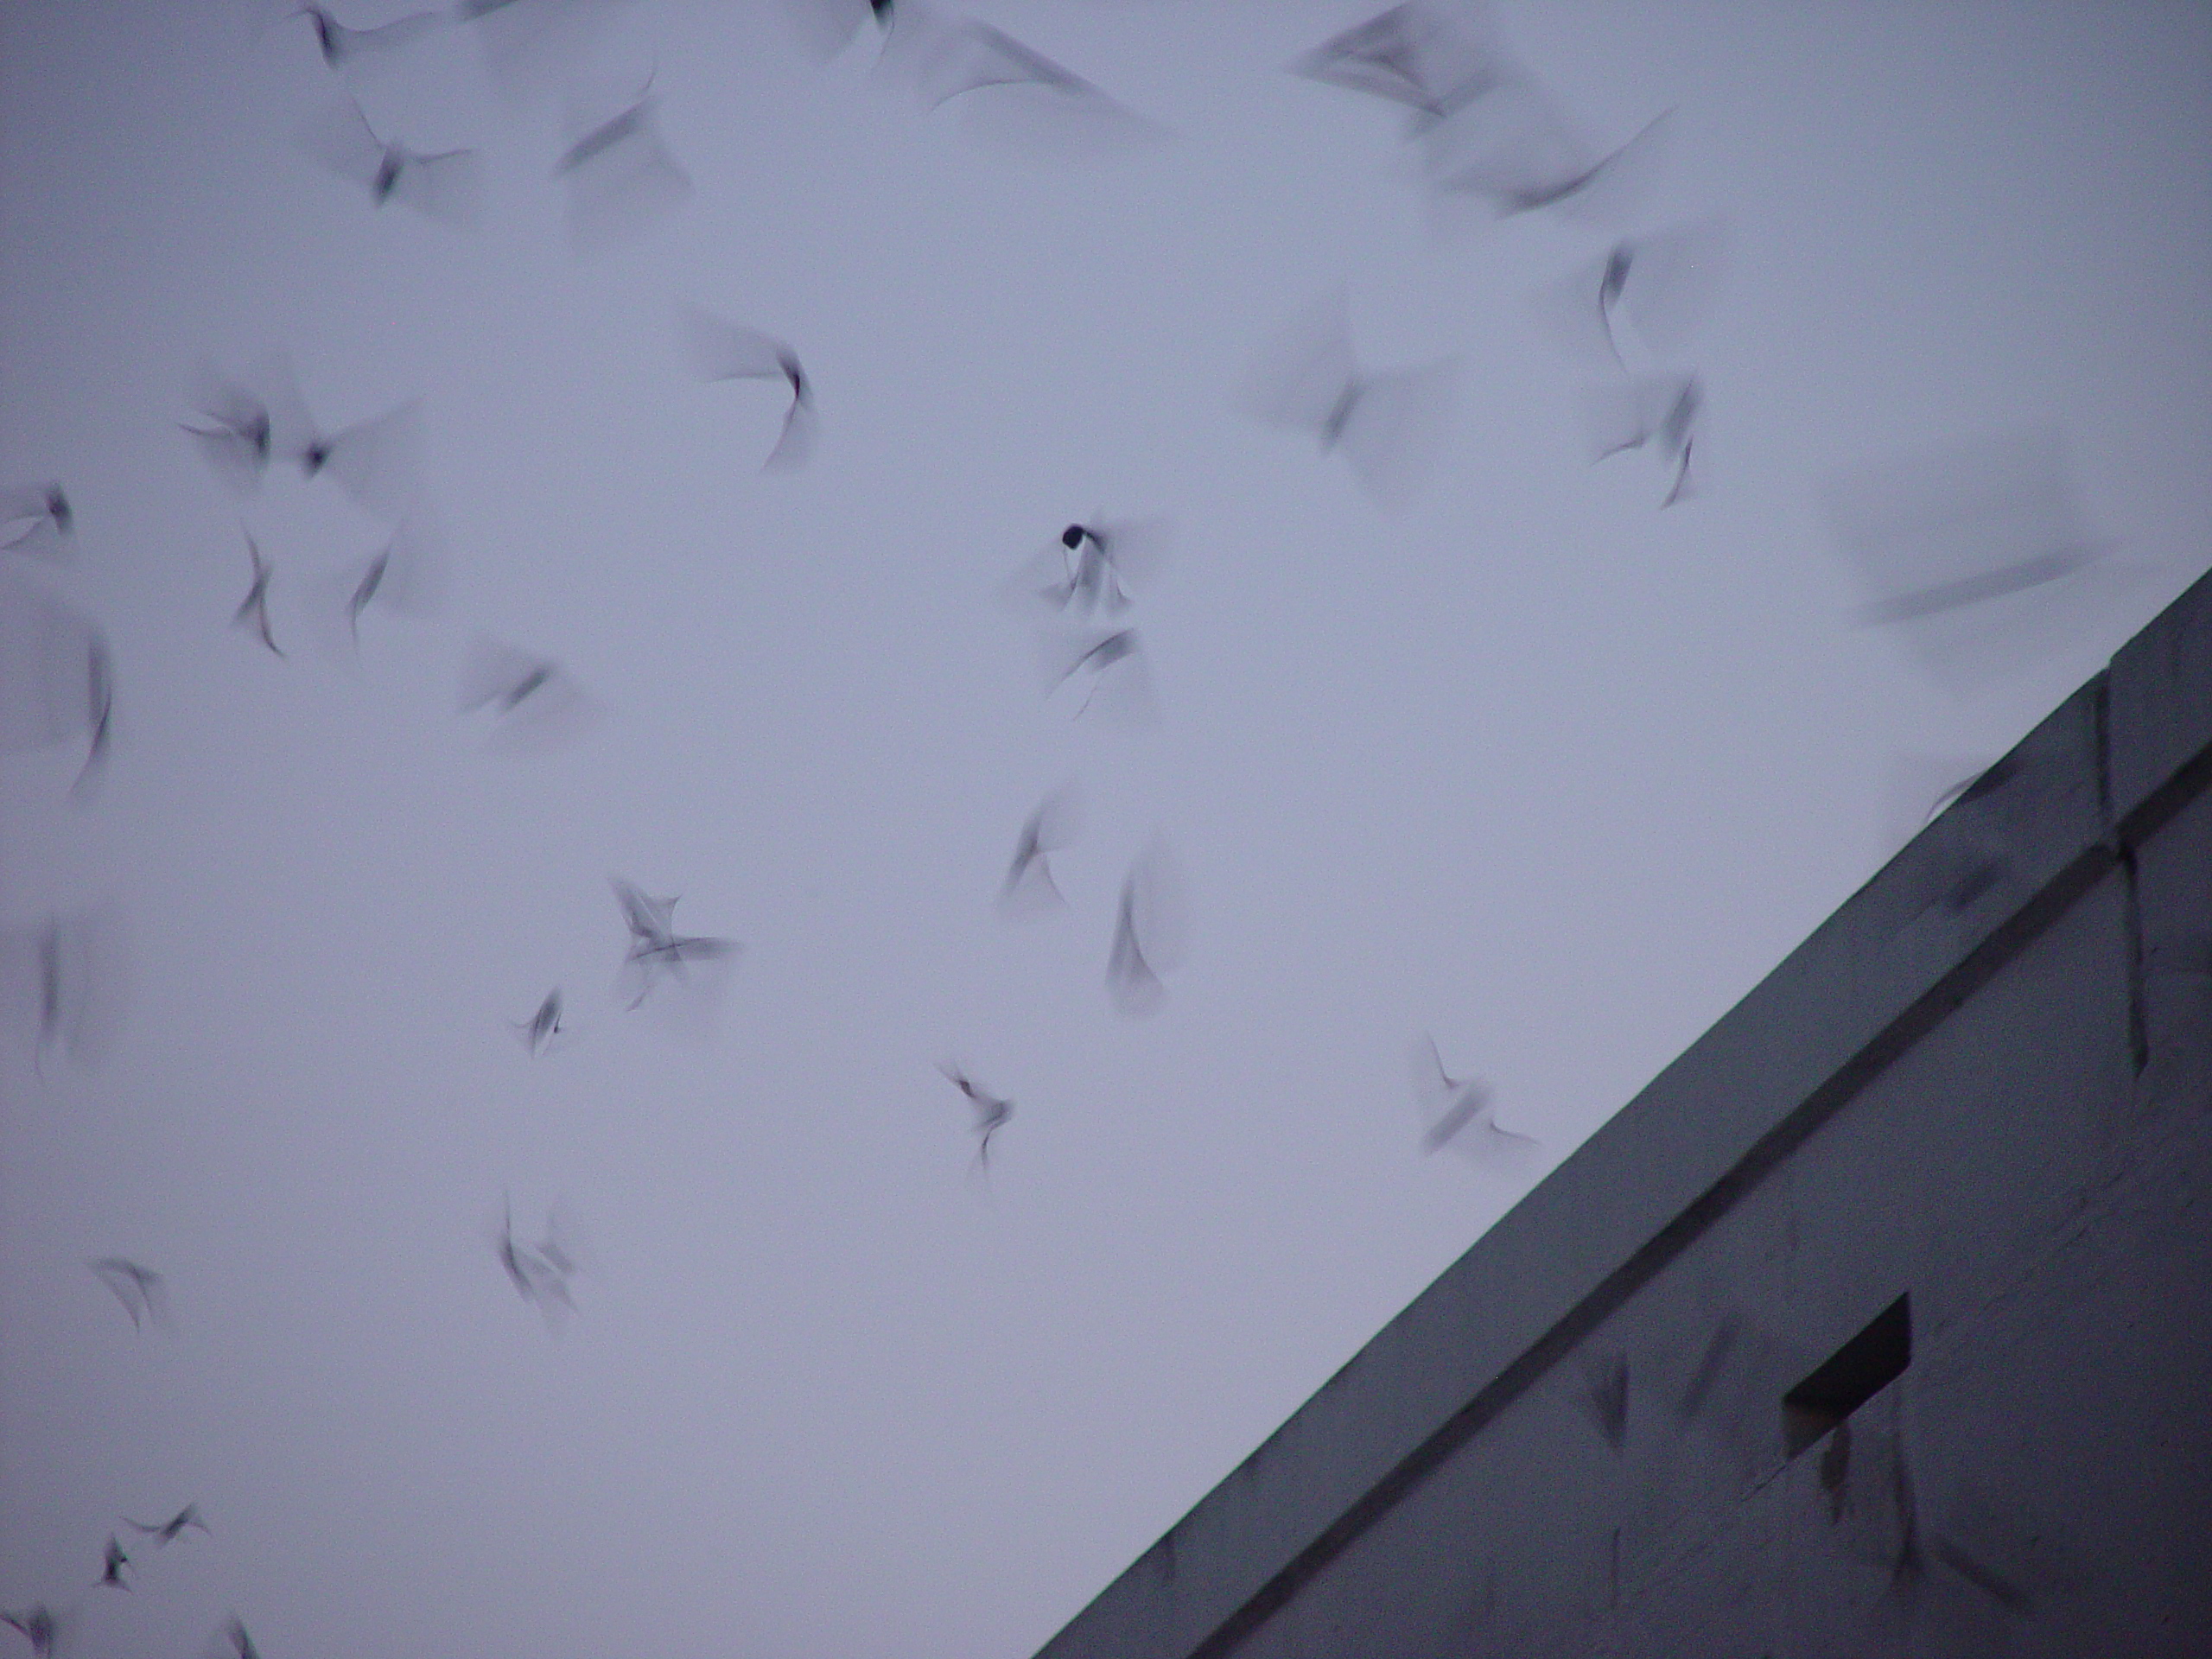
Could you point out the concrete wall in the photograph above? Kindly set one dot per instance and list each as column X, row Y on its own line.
column 1985, row 1084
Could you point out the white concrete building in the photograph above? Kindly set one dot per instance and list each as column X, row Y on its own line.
column 1880, row 1322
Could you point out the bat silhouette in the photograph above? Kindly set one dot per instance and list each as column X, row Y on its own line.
column 1657, row 288
column 241, row 435
column 39, row 1626
column 538, row 1031
column 1974, row 554
column 1605, row 1397
column 539, row 1273
column 1458, row 1114
column 1514, row 148
column 409, row 575
column 64, row 977
column 232, row 1642
column 1151, row 924
column 253, row 609
column 36, row 521
column 657, row 951
column 991, row 1112
column 619, row 176
column 166, row 1532
column 57, row 678
column 113, row 1563
column 375, row 460
column 1108, row 662
column 140, row 1289
column 342, row 46
column 1654, row 411
column 1029, row 887
column 445, row 185
column 535, row 702
column 1389, row 426
column 1024, row 96
column 1088, row 569
column 1433, row 59
column 729, row 351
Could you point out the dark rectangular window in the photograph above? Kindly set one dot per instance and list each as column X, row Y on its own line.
column 1849, row 1378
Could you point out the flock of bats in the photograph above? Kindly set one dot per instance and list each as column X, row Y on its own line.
column 1485, row 129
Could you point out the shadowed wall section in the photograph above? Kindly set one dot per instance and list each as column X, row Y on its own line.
column 1878, row 1323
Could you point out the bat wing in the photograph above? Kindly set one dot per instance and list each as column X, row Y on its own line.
column 718, row 350
column 796, row 443
column 46, row 655
column 339, row 136
column 1393, row 435
column 376, row 462
column 1303, row 370
column 447, row 187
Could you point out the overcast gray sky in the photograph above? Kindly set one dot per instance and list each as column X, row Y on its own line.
column 1529, row 764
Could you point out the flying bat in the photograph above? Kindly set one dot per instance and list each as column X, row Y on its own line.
column 1151, row 927
column 538, row 1031
column 991, row 1111
column 57, row 677
column 1658, row 412
column 826, row 28
column 64, row 979
column 167, row 1532
column 1458, row 1114
column 657, row 951
column 535, row 702
column 1109, row 664
column 445, row 185
column 140, row 1289
column 1029, row 888
column 1433, row 58
column 1089, row 567
column 1389, row 426
column 36, row 521
column 232, row 1642
column 342, row 47
column 729, row 351
column 539, row 1273
column 1012, row 91
column 1514, row 149
column 619, row 178
column 112, row 1564
column 1657, row 289
column 39, row 1627
column 253, row 610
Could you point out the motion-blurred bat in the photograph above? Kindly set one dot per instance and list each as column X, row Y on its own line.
column 57, row 678
column 826, row 28
column 64, row 982
column 342, row 46
column 619, row 177
column 1657, row 289
column 253, row 610
column 232, row 1642
column 1514, row 149
column 112, row 1564
column 1654, row 411
column 1431, row 57
column 1389, row 426
column 1029, row 887
column 139, row 1288
column 1458, row 1114
column 991, row 1111
column 1109, row 664
column 535, row 702
column 1151, row 927
column 657, row 951
column 445, row 185
column 39, row 1626
column 729, row 351
column 166, row 1532
column 1088, row 567
column 1011, row 90
column 539, row 1031
column 36, row 521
